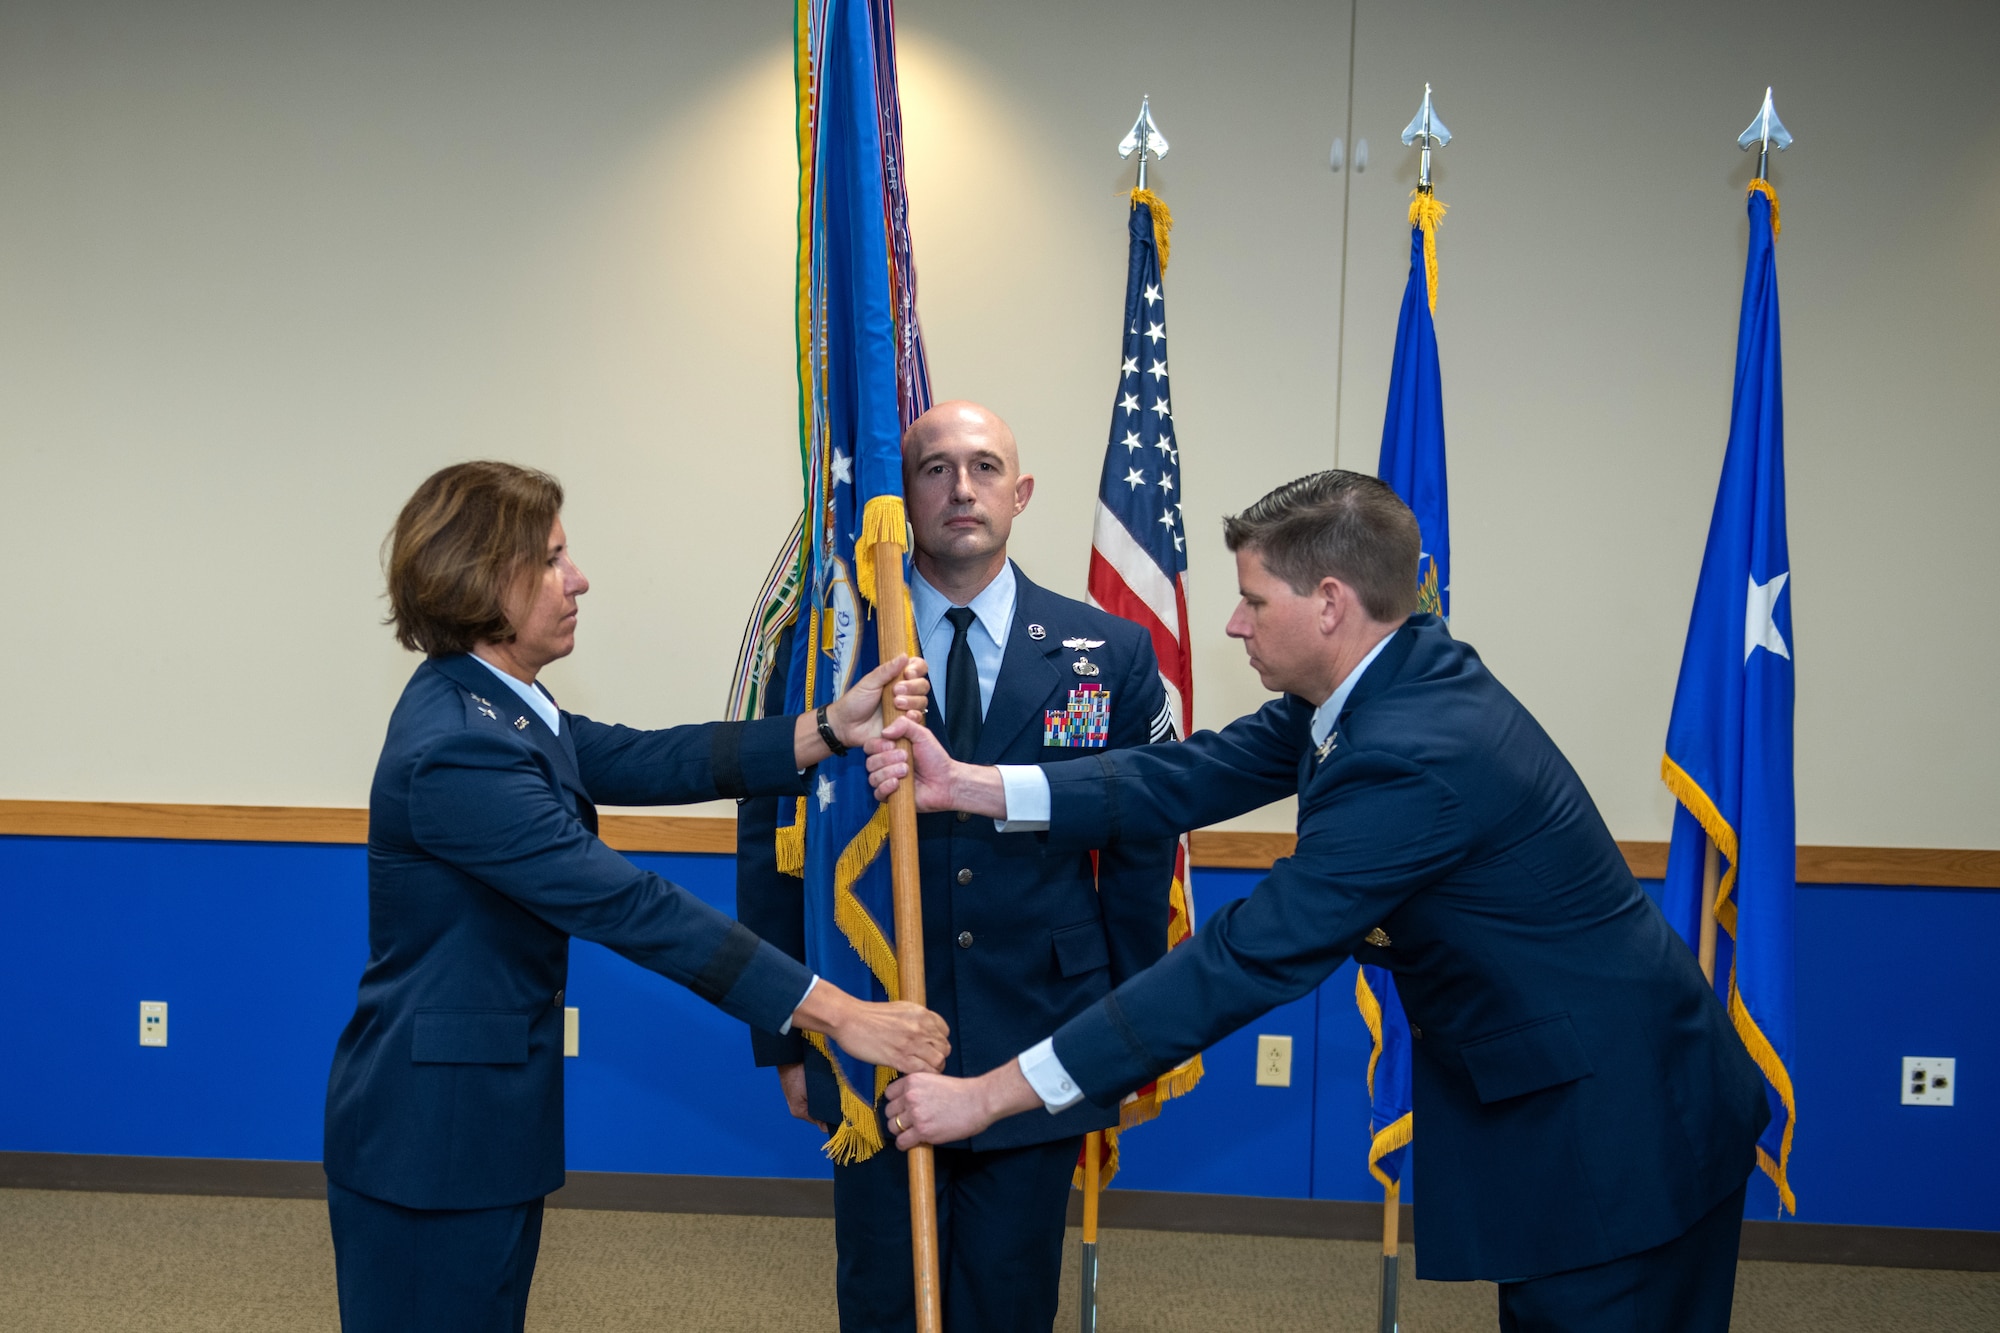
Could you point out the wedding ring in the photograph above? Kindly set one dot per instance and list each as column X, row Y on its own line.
column 899, row 1125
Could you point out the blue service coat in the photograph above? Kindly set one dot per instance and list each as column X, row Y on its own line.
column 1579, row 1092
column 483, row 860
column 1018, row 936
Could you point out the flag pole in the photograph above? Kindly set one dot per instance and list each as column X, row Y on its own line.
column 892, row 631
column 1093, row 1149
column 1145, row 139
column 1392, row 1219
column 1425, row 132
column 1711, row 880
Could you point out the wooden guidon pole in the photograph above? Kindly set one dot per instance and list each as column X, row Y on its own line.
column 1391, row 1234
column 1093, row 1179
column 892, row 633
column 1711, row 880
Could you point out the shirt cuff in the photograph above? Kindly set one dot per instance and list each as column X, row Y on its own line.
column 1046, row 1075
column 786, row 1030
column 1027, row 789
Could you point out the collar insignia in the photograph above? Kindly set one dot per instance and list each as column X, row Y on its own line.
column 520, row 724
column 1326, row 746
column 1037, row 632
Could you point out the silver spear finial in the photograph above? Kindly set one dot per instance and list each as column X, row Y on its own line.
column 1766, row 131
column 1142, row 138
column 1427, row 129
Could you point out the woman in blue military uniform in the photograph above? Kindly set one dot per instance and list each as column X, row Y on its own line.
column 444, row 1118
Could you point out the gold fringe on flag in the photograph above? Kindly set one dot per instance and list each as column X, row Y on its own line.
column 860, row 1134
column 1426, row 212
column 1163, row 222
column 1689, row 793
column 1391, row 1138
column 1763, row 187
column 862, row 931
column 1397, row 1134
column 791, row 849
column 882, row 521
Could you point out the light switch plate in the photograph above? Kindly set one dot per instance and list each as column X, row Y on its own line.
column 1929, row 1080
column 569, row 1032
column 152, row 1022
column 1274, row 1061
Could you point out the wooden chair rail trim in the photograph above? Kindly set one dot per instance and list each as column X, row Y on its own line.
column 1920, row 867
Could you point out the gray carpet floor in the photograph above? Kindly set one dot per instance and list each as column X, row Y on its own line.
column 73, row 1262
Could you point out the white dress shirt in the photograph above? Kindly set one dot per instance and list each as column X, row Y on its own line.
column 993, row 616
column 1039, row 1065
column 545, row 707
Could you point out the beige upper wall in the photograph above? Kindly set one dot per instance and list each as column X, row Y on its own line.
column 264, row 267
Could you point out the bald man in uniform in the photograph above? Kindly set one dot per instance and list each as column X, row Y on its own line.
column 1016, row 940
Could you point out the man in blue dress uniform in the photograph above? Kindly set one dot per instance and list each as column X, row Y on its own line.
column 1018, row 937
column 1589, row 1115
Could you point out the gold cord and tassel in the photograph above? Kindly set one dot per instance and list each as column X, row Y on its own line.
column 1426, row 212
column 1763, row 187
column 1163, row 221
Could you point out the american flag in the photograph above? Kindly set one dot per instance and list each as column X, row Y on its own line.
column 1138, row 549
column 1138, row 555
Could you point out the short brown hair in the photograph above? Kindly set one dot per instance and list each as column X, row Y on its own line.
column 460, row 543
column 1336, row 524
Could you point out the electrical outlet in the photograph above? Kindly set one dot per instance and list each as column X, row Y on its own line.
column 570, row 1032
column 1929, row 1080
column 152, row 1022
column 1274, row 1062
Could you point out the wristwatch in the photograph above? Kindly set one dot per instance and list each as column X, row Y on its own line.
column 826, row 732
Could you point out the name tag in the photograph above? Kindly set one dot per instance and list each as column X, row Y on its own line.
column 1085, row 722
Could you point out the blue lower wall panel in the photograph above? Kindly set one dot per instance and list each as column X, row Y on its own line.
column 663, row 1081
column 1229, row 1136
column 257, row 948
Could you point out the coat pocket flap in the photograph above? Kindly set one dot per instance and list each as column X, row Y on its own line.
column 469, row 1037
column 1529, row 1058
column 1081, row 948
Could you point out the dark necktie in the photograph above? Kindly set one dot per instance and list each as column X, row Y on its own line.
column 961, row 703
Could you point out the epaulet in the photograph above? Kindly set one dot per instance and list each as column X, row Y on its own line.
column 482, row 711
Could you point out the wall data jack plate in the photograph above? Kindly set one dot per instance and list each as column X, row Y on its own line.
column 152, row 1022
column 1929, row 1080
column 1274, row 1062
column 571, row 1026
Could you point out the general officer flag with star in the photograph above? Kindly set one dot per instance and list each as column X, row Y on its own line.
column 1729, row 742
column 862, row 381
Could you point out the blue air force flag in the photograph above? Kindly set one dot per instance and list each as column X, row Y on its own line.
column 1412, row 462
